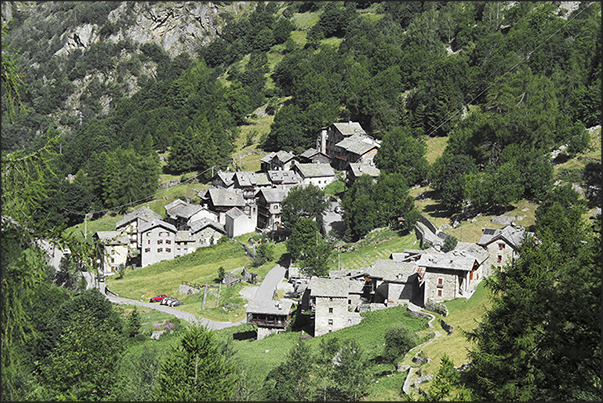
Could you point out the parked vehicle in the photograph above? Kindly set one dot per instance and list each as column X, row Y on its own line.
column 166, row 301
column 158, row 298
column 176, row 302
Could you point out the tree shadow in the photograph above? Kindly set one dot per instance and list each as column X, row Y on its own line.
column 250, row 334
column 438, row 210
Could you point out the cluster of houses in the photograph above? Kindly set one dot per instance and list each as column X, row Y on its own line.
column 415, row 276
column 237, row 203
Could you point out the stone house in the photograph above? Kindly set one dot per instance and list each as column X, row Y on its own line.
column 393, row 282
column 313, row 156
column 359, row 148
column 283, row 179
column 269, row 204
column 183, row 215
column 501, row 244
column 173, row 204
column 114, row 250
column 270, row 316
column 221, row 200
column 330, row 299
column 277, row 161
column 355, row 170
column 223, row 180
column 329, row 136
column 250, row 182
column 319, row 175
column 132, row 221
column 239, row 223
column 206, row 232
column 157, row 241
column 449, row 275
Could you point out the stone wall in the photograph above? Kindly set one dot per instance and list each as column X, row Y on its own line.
column 449, row 288
column 340, row 317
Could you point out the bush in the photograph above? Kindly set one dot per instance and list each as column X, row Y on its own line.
column 398, row 341
column 450, row 243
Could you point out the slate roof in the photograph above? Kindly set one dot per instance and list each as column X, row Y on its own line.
column 359, row 169
column 173, row 204
column 274, row 195
column 225, row 198
column 226, row 177
column 246, row 179
column 284, row 156
column 112, row 237
column 329, row 287
column 268, row 157
column 391, row 270
column 473, row 249
column 269, row 307
column 349, row 128
column 513, row 236
column 315, row 170
column 185, row 211
column 283, row 177
column 156, row 223
column 142, row 214
column 358, row 144
column 309, row 153
column 184, row 236
column 198, row 225
column 453, row 260
column 234, row 213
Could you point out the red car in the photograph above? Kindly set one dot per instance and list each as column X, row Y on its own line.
column 158, row 298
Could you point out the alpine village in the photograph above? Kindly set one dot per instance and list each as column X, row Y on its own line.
column 301, row 201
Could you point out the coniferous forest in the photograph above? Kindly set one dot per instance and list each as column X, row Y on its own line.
column 507, row 83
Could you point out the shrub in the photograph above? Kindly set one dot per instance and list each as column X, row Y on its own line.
column 450, row 243
column 398, row 341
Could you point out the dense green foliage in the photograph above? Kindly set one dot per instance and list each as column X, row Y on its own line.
column 303, row 202
column 337, row 371
column 541, row 340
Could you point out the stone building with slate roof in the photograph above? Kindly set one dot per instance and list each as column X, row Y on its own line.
column 319, row 175
column 221, row 200
column 183, row 215
column 269, row 207
column 313, row 156
column 329, row 136
column 355, row 170
column 357, row 148
column 277, row 161
column 393, row 282
column 331, row 300
column 157, row 240
column 270, row 316
column 450, row 275
column 206, row 232
column 132, row 221
column 283, row 179
column 501, row 244
column 223, row 180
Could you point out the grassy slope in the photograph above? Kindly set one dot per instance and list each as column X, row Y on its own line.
column 263, row 355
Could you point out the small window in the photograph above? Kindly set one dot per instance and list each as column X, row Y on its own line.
column 149, row 242
column 167, row 234
column 330, row 310
column 160, row 233
column 159, row 242
column 168, row 241
column 349, row 321
column 349, row 302
column 331, row 299
column 148, row 234
column 499, row 259
column 147, row 250
column 439, row 293
column 501, row 246
column 168, row 250
column 159, row 250
column 112, row 251
column 330, row 321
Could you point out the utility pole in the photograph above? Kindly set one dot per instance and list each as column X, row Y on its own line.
column 204, row 295
column 219, row 289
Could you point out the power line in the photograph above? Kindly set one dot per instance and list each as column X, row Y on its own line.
column 510, row 69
